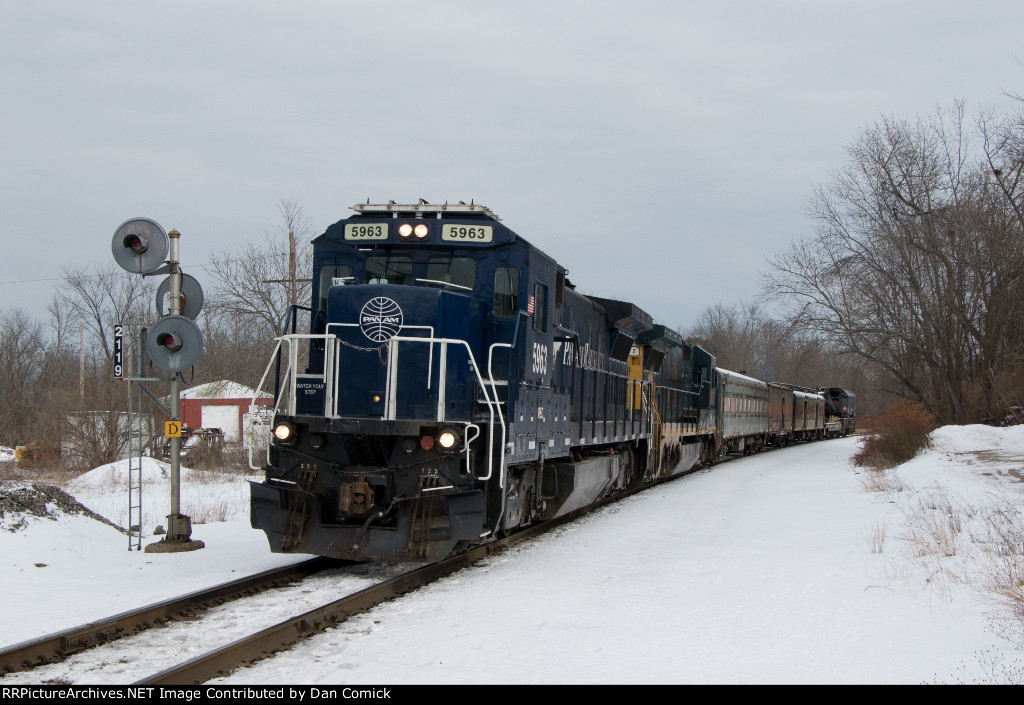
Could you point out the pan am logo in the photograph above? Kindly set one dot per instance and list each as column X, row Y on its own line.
column 380, row 319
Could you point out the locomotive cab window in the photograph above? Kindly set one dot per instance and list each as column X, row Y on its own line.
column 385, row 269
column 506, row 291
column 328, row 273
column 457, row 272
column 540, row 312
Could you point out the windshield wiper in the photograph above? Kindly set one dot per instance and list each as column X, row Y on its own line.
column 442, row 283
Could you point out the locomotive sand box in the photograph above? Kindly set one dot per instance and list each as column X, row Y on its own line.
column 457, row 387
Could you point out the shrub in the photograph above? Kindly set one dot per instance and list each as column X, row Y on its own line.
column 897, row 436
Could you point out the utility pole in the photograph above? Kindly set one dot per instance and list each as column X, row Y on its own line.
column 81, row 361
column 291, row 265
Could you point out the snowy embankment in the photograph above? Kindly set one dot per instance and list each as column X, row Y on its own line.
column 787, row 567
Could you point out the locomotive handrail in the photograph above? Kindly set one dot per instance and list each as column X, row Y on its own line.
column 331, row 369
column 390, row 391
column 430, row 359
column 494, row 388
column 273, row 358
column 292, row 374
column 292, row 314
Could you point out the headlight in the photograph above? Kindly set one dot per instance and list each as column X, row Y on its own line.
column 405, row 229
column 284, row 433
column 446, row 439
column 421, row 230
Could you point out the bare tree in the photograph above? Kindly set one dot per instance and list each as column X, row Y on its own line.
column 101, row 298
column 745, row 339
column 731, row 333
column 262, row 282
column 91, row 424
column 909, row 269
column 21, row 353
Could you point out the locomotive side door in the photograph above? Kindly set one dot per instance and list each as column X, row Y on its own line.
column 539, row 409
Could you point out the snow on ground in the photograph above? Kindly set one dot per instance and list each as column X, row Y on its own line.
column 787, row 567
column 204, row 496
column 62, row 573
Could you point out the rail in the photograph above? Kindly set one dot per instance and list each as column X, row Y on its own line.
column 59, row 645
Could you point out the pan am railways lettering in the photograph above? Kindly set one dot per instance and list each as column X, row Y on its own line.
column 583, row 357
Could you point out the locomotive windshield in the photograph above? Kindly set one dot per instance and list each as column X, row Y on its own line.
column 459, row 272
column 389, row 269
column 415, row 269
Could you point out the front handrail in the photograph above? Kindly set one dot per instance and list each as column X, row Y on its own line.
column 292, row 339
column 391, row 390
column 273, row 358
column 331, row 374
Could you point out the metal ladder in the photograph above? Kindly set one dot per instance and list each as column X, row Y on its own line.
column 136, row 433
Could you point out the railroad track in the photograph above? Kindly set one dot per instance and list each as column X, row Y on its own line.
column 59, row 645
column 280, row 636
column 285, row 634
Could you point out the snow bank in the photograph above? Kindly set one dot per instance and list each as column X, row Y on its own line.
column 116, row 475
column 976, row 437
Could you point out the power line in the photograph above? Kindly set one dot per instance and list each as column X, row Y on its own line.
column 33, row 281
column 205, row 265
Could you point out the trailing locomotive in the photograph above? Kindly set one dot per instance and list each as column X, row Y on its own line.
column 455, row 386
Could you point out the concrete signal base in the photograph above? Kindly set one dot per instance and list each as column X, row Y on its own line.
column 165, row 546
column 178, row 538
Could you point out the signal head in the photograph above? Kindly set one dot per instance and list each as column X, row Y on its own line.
column 191, row 292
column 174, row 343
column 139, row 245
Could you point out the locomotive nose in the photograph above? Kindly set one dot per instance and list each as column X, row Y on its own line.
column 404, row 352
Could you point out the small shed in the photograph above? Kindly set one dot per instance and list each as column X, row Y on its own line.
column 220, row 405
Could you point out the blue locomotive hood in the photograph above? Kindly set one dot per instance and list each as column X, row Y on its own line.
column 428, row 335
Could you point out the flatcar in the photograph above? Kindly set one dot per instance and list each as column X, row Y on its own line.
column 454, row 387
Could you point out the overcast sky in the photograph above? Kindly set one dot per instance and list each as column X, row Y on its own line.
column 659, row 150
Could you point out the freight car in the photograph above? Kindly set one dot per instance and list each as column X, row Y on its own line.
column 454, row 386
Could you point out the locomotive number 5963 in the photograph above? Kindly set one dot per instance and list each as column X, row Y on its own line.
column 467, row 233
column 540, row 359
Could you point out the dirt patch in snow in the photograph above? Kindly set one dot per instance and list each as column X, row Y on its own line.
column 39, row 500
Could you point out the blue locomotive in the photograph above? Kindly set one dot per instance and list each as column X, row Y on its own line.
column 454, row 386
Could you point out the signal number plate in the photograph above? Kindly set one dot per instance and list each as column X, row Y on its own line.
column 467, row 233
column 372, row 231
